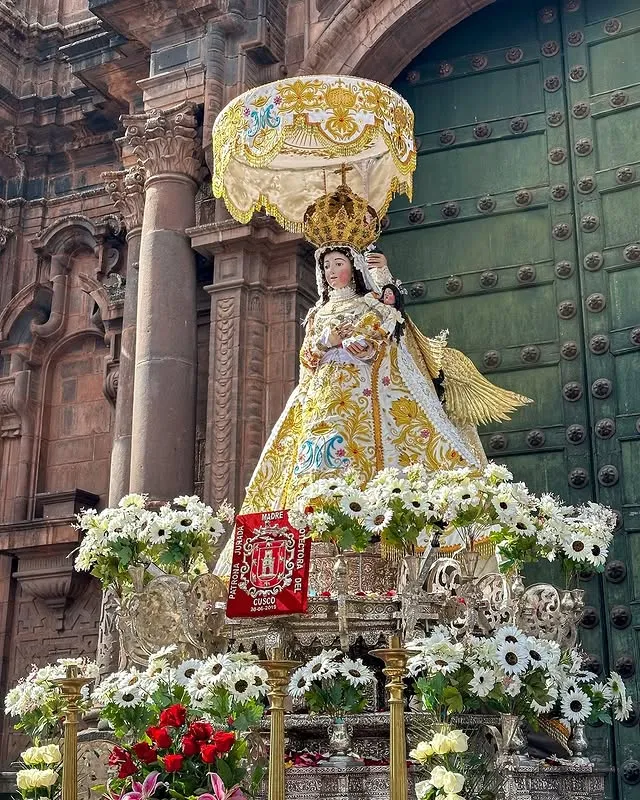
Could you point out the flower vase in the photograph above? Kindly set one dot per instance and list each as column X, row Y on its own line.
column 469, row 562
column 339, row 744
column 578, row 742
column 510, row 739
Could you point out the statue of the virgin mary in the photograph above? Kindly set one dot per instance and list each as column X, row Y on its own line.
column 365, row 400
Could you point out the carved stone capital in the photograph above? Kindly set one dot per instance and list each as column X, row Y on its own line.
column 5, row 235
column 126, row 190
column 165, row 141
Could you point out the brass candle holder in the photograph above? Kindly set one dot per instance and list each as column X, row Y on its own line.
column 395, row 658
column 279, row 671
column 71, row 686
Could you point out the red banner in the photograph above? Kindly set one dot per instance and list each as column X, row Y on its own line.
column 270, row 568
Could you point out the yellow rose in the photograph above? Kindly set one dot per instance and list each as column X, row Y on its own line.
column 441, row 744
column 27, row 779
column 452, row 783
column 47, row 754
column 459, row 741
column 422, row 752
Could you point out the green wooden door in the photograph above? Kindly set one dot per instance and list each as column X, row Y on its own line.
column 522, row 240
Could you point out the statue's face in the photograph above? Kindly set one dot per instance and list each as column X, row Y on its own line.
column 389, row 298
column 337, row 269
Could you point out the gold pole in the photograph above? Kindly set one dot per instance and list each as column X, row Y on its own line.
column 279, row 672
column 71, row 686
column 395, row 658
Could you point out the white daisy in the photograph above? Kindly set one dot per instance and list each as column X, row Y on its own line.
column 324, row 665
column 377, row 519
column 416, row 502
column 352, row 503
column 623, row 709
column 576, row 705
column 157, row 533
column 510, row 634
column 299, row 683
column 513, row 658
column 356, row 672
column 128, row 697
column 483, row 681
column 246, row 683
column 186, row 671
column 215, row 668
column 616, row 686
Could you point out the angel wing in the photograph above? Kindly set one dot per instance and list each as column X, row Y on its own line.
column 470, row 397
column 426, row 352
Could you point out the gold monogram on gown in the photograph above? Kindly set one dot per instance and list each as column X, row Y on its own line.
column 347, row 412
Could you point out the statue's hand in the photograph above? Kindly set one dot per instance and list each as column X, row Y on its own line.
column 376, row 260
column 345, row 330
column 363, row 351
column 334, row 339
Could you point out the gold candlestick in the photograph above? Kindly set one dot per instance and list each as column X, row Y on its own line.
column 279, row 672
column 71, row 686
column 395, row 658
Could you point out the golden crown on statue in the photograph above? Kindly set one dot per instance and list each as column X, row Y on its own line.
column 341, row 217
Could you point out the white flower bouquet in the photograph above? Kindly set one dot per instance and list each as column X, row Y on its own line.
column 393, row 508
column 511, row 672
column 179, row 538
column 218, row 688
column 38, row 703
column 332, row 683
column 405, row 508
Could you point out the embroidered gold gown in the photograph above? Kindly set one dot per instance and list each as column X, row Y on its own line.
column 365, row 413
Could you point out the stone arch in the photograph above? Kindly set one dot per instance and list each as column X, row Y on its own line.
column 34, row 297
column 378, row 38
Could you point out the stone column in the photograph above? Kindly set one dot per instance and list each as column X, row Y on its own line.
column 164, row 394
column 126, row 189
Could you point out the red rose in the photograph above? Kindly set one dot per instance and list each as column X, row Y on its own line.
column 201, row 731
column 173, row 717
column 208, row 753
column 118, row 756
column 173, row 763
column 127, row 769
column 190, row 747
column 160, row 736
column 145, row 752
column 223, row 741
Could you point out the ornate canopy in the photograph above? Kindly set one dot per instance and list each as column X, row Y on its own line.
column 280, row 146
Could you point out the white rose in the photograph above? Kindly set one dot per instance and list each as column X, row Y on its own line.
column 423, row 788
column 422, row 752
column 459, row 741
column 47, row 754
column 453, row 782
column 27, row 779
column 441, row 744
column 437, row 777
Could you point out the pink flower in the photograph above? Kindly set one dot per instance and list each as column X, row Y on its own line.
column 219, row 791
column 277, row 99
column 366, row 392
column 425, row 433
column 340, row 452
column 386, row 380
column 144, row 790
